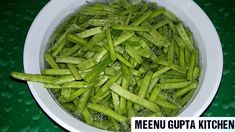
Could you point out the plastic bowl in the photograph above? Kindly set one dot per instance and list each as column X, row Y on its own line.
column 205, row 36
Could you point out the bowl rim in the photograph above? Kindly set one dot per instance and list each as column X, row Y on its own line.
column 54, row 3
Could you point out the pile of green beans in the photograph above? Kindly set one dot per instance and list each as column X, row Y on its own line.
column 119, row 59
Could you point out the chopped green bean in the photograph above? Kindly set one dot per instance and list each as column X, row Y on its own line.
column 110, row 45
column 69, row 60
column 50, row 60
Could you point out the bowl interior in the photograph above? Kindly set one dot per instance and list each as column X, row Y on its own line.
column 55, row 12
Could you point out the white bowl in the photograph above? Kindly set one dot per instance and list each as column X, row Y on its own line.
column 205, row 36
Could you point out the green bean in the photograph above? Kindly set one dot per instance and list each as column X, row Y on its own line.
column 77, row 93
column 191, row 66
column 32, row 77
column 100, row 55
column 89, row 32
column 69, row 60
column 102, row 124
column 51, row 86
column 123, row 37
column 107, row 111
column 142, row 18
column 134, row 98
column 183, row 91
column 90, row 76
column 154, row 80
column 70, row 51
column 161, row 23
column 124, row 61
column 129, row 28
column 171, row 53
column 145, row 84
column 116, row 101
column 161, row 71
column 166, row 104
column 102, row 80
column 182, row 59
column 170, row 15
column 177, row 68
column 184, row 36
column 186, row 97
column 154, row 94
column 186, row 55
column 179, row 41
column 173, row 85
column 158, row 12
column 77, row 40
column 82, row 103
column 75, row 84
column 74, row 71
column 94, row 40
column 123, row 102
column 104, row 88
column 86, row 64
column 126, row 4
column 196, row 73
column 150, row 38
column 99, row 22
column 59, row 47
column 64, row 79
column 87, row 116
column 110, row 45
column 56, row 72
column 133, row 54
column 175, row 80
column 116, row 126
column 50, row 60
column 144, row 52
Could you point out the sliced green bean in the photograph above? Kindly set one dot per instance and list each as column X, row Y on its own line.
column 59, row 48
column 77, row 93
column 129, row 28
column 32, row 77
column 90, row 76
column 71, row 50
column 94, row 40
column 158, row 12
column 116, row 101
column 184, row 36
column 183, row 91
column 124, row 61
column 161, row 23
column 126, row 4
column 145, row 84
column 87, row 116
column 133, row 54
column 161, row 71
column 191, row 66
column 75, row 84
column 196, row 73
column 52, row 86
column 77, row 40
column 110, row 45
column 182, row 58
column 64, row 79
column 82, row 103
column 89, row 32
column 154, row 94
column 134, row 98
column 86, row 64
column 69, row 60
column 56, row 72
column 104, row 88
column 107, row 111
column 50, row 60
column 175, row 80
column 142, row 18
column 174, row 85
column 123, row 37
column 166, row 104
column 74, row 71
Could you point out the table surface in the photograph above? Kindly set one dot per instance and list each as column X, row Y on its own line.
column 19, row 111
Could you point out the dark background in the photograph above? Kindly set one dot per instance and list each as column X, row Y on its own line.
column 19, row 111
